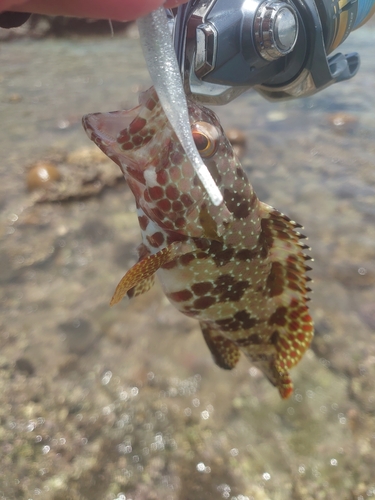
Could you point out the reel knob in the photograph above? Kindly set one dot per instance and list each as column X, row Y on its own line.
column 275, row 29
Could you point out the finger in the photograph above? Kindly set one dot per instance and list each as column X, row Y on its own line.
column 118, row 10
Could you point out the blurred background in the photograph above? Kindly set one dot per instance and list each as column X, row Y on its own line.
column 126, row 403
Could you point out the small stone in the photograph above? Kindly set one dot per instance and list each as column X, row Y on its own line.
column 41, row 174
column 84, row 172
column 236, row 137
column 239, row 151
column 276, row 116
column 14, row 98
column 343, row 123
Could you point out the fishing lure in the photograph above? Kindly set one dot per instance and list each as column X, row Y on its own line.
column 163, row 67
column 239, row 268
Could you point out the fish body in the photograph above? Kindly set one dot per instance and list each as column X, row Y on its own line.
column 238, row 268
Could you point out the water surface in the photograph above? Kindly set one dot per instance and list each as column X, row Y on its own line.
column 126, row 403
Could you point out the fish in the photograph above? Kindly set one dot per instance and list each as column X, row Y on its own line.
column 239, row 268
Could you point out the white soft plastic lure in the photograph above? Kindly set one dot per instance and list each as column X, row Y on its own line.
column 163, row 67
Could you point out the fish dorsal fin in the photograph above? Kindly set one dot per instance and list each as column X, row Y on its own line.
column 286, row 286
column 144, row 269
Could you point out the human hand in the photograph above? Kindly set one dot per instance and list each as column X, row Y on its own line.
column 117, row 10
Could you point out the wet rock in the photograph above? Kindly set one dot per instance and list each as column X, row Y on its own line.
column 25, row 365
column 366, row 208
column 80, row 335
column 352, row 191
column 367, row 314
column 21, row 252
column 94, row 231
column 361, row 388
column 84, row 172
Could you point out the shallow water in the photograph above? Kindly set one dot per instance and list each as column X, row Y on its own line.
column 100, row 403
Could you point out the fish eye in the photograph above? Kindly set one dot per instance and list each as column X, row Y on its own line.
column 206, row 138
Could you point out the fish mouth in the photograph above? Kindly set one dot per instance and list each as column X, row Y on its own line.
column 107, row 126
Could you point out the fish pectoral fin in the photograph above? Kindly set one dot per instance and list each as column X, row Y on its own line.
column 140, row 276
column 141, row 287
column 225, row 352
column 146, row 284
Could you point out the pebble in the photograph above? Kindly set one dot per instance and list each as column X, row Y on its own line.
column 238, row 140
column 14, row 97
column 277, row 116
column 81, row 173
column 343, row 123
column 41, row 174
column 236, row 137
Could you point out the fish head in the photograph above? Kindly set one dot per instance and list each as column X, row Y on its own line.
column 166, row 188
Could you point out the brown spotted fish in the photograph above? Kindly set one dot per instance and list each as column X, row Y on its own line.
column 238, row 268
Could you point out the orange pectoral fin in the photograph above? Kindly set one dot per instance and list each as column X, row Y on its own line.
column 144, row 270
column 142, row 286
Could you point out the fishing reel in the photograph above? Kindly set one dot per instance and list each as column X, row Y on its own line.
column 278, row 47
